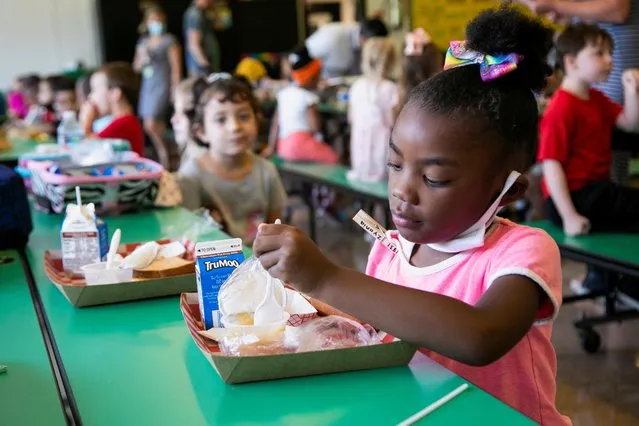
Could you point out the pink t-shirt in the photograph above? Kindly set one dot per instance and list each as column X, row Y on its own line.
column 17, row 104
column 524, row 378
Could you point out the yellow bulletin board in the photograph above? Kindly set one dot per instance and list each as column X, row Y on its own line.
column 446, row 20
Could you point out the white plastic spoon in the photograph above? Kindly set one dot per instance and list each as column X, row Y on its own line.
column 268, row 311
column 113, row 248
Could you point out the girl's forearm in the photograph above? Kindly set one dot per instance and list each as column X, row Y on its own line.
column 445, row 325
column 630, row 122
column 558, row 188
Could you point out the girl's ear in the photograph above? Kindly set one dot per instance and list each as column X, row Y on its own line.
column 198, row 131
column 115, row 94
column 569, row 61
column 516, row 191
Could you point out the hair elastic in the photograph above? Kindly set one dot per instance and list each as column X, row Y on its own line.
column 490, row 67
column 217, row 76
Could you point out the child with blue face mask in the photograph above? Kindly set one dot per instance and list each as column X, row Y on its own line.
column 158, row 59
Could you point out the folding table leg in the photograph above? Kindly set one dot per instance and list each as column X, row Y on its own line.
column 307, row 196
column 611, row 284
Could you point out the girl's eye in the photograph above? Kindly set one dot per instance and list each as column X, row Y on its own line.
column 220, row 120
column 393, row 166
column 245, row 116
column 436, row 183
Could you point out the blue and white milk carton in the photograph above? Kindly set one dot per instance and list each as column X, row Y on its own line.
column 215, row 262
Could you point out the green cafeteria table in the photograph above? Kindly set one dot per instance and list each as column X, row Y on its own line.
column 611, row 251
column 613, row 254
column 334, row 176
column 28, row 394
column 323, row 107
column 19, row 147
column 135, row 364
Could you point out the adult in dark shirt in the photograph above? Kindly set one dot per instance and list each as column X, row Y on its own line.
column 202, row 48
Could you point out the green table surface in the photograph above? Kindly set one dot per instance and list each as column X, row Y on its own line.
column 621, row 247
column 135, row 364
column 20, row 147
column 329, row 108
column 334, row 175
column 28, row 394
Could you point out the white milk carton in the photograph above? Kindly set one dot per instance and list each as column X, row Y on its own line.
column 215, row 262
column 84, row 238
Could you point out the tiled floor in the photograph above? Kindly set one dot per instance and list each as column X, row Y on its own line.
column 600, row 389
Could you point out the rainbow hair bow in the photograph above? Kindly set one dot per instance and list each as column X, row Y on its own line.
column 490, row 67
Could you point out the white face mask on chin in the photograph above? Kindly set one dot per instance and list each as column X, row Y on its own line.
column 473, row 237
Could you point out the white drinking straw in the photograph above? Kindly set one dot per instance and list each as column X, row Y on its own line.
column 434, row 406
column 78, row 198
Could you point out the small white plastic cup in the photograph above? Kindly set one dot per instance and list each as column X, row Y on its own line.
column 96, row 274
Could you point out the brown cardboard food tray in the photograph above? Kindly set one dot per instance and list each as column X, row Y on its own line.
column 390, row 353
column 76, row 290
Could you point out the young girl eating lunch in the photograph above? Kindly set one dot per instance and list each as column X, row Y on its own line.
column 241, row 189
column 476, row 292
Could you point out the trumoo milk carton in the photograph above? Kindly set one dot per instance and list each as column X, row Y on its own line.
column 215, row 262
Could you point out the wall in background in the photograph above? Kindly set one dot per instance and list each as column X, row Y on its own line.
column 446, row 20
column 44, row 36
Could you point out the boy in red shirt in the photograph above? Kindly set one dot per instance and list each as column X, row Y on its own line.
column 114, row 91
column 575, row 135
